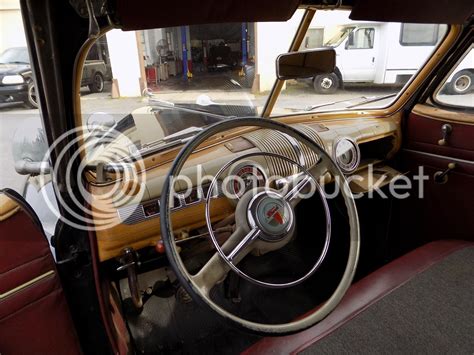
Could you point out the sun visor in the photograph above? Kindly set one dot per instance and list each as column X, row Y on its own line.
column 413, row 11
column 147, row 14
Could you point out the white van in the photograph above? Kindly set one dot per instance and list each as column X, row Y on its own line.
column 379, row 53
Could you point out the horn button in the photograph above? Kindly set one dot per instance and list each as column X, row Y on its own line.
column 272, row 214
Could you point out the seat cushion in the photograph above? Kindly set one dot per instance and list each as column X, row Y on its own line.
column 34, row 314
column 419, row 302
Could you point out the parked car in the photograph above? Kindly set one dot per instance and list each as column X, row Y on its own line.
column 16, row 77
column 17, row 82
column 221, row 58
column 94, row 75
column 377, row 53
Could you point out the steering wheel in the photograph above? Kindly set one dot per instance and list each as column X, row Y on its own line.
column 265, row 221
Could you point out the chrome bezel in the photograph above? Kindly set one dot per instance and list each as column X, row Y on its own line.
column 237, row 167
column 354, row 164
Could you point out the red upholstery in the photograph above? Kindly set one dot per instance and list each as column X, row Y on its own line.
column 423, row 134
column 34, row 319
column 361, row 295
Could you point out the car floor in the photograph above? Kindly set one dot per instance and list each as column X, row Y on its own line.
column 173, row 323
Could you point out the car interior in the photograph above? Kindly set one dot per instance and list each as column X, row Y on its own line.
column 167, row 250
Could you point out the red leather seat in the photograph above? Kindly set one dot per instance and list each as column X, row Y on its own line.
column 361, row 296
column 34, row 314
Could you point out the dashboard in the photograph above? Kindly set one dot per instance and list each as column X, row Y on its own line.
column 353, row 144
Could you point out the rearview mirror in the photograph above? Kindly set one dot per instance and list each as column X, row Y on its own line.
column 305, row 64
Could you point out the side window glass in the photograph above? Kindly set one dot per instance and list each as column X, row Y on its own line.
column 457, row 89
column 416, row 34
column 362, row 38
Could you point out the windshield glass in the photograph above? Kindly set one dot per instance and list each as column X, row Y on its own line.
column 17, row 55
column 374, row 61
column 159, row 87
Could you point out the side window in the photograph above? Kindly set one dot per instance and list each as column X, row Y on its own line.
column 362, row 38
column 416, row 34
column 457, row 89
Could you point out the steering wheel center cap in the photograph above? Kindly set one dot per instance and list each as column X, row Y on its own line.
column 272, row 214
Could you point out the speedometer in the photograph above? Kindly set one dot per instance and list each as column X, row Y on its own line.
column 246, row 176
column 346, row 153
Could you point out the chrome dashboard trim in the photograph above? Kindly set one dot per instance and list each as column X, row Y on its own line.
column 133, row 214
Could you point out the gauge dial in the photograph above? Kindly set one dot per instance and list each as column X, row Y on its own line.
column 347, row 155
column 246, row 176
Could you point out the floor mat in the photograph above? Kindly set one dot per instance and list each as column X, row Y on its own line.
column 432, row 313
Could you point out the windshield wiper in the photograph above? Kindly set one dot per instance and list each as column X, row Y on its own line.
column 171, row 140
column 314, row 107
column 167, row 104
column 371, row 99
column 366, row 100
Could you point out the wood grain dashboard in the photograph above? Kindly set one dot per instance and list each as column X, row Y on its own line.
column 114, row 233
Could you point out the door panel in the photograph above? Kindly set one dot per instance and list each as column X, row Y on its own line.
column 423, row 133
column 446, row 209
column 34, row 316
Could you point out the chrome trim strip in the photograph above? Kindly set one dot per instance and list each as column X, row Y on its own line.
column 296, row 148
column 133, row 214
column 25, row 285
column 457, row 160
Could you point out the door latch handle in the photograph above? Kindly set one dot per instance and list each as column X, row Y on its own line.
column 446, row 130
column 441, row 177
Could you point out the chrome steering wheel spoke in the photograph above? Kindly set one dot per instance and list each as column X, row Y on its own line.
column 235, row 254
column 235, row 248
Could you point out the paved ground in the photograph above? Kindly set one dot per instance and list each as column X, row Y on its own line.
column 15, row 118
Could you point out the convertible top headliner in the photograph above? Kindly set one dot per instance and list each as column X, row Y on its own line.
column 146, row 14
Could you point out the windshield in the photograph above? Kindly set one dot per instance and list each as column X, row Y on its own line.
column 340, row 34
column 159, row 87
column 374, row 62
column 17, row 55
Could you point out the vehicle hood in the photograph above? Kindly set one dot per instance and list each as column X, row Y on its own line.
column 12, row 69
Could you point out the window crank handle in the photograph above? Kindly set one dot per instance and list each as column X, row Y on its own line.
column 441, row 177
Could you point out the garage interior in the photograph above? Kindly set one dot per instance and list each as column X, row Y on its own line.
column 196, row 56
